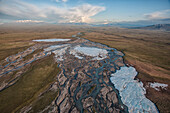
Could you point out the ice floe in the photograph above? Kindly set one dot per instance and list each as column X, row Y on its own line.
column 157, row 86
column 131, row 91
column 96, row 53
column 51, row 40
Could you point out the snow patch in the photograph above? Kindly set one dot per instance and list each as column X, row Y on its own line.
column 157, row 86
column 131, row 91
column 97, row 53
column 51, row 40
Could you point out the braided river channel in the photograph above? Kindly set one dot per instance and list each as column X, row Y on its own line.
column 93, row 78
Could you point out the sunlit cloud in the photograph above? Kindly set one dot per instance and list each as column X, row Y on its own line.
column 28, row 21
column 26, row 11
column 82, row 13
column 158, row 15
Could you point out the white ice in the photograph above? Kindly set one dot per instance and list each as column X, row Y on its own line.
column 55, row 47
column 58, row 50
column 50, row 40
column 96, row 53
column 59, row 54
column 131, row 91
column 157, row 86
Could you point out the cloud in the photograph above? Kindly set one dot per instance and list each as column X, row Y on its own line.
column 28, row 21
column 25, row 11
column 61, row 0
column 20, row 9
column 82, row 13
column 64, row 0
column 159, row 15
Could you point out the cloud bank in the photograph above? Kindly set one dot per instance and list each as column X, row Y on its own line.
column 19, row 10
column 159, row 14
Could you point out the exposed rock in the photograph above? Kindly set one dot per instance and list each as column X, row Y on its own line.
column 88, row 102
column 65, row 106
column 112, row 97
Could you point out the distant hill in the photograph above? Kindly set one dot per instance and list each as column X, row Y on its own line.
column 133, row 24
column 165, row 27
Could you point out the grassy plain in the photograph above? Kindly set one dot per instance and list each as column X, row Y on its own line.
column 148, row 51
column 35, row 80
column 16, row 38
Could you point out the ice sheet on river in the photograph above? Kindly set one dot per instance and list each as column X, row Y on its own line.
column 51, row 40
column 97, row 53
column 131, row 91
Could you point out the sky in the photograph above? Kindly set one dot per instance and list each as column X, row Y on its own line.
column 83, row 11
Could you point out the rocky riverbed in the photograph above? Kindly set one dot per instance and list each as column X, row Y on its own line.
column 93, row 77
